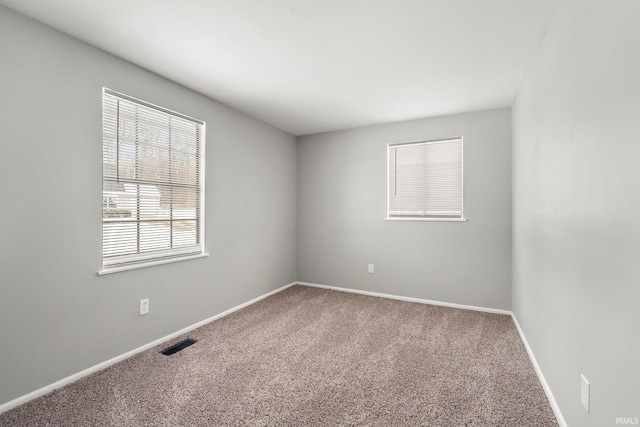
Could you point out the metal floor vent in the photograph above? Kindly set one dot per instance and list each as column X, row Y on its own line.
column 177, row 347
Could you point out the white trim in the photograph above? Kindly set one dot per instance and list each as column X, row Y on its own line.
column 426, row 141
column 410, row 299
column 100, row 366
column 203, row 190
column 111, row 92
column 462, row 177
column 425, row 219
column 109, row 270
column 541, row 378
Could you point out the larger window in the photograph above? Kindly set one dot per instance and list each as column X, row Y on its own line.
column 152, row 184
column 425, row 180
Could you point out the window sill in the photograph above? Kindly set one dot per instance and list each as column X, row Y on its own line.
column 428, row 219
column 148, row 264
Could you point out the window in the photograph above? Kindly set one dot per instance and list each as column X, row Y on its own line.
column 152, row 184
column 425, row 180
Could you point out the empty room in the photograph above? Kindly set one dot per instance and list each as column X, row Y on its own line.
column 320, row 212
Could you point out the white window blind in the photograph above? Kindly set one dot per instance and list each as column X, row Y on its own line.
column 152, row 184
column 425, row 180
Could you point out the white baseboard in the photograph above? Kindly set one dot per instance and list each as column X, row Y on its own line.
column 541, row 378
column 410, row 299
column 100, row 366
column 543, row 381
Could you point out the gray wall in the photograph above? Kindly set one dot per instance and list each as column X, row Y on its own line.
column 576, row 184
column 57, row 317
column 342, row 203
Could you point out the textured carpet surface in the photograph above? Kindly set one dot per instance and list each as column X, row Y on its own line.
column 315, row 357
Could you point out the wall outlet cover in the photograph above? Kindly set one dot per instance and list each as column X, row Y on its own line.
column 144, row 306
column 585, row 392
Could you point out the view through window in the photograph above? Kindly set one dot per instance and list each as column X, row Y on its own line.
column 152, row 187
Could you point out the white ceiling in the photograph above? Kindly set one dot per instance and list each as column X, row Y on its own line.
column 309, row 66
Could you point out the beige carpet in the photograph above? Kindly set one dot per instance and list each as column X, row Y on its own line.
column 313, row 357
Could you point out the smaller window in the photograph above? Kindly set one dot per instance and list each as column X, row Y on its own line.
column 425, row 180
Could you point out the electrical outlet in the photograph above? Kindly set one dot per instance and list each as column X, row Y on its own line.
column 144, row 306
column 370, row 268
column 585, row 390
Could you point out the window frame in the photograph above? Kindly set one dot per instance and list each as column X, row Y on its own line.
column 142, row 259
column 462, row 217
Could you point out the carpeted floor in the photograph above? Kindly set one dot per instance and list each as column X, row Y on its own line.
column 314, row 357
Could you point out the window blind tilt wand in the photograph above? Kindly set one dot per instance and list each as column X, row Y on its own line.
column 152, row 184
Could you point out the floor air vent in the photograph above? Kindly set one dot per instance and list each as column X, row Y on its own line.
column 177, row 347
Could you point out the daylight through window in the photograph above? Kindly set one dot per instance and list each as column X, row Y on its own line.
column 425, row 180
column 152, row 184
